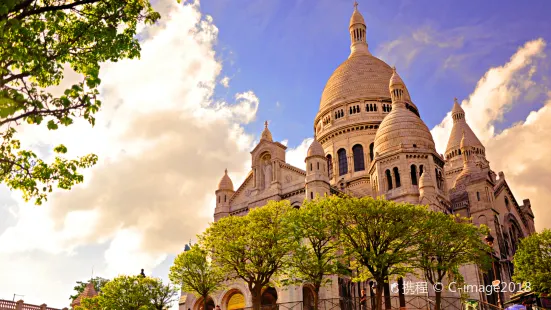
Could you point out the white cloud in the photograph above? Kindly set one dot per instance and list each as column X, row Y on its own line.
column 225, row 81
column 523, row 151
column 163, row 144
column 295, row 156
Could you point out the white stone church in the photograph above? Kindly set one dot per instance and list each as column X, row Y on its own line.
column 371, row 141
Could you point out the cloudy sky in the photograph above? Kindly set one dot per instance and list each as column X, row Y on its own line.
column 208, row 78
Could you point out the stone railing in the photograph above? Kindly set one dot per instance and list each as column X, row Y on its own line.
column 21, row 305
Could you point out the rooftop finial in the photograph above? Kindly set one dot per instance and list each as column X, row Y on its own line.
column 355, row 5
column 266, row 124
column 226, row 171
column 455, row 100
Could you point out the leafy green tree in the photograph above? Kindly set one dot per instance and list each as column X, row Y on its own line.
column 254, row 247
column 131, row 293
column 380, row 236
column 317, row 256
column 194, row 271
column 37, row 38
column 446, row 243
column 98, row 282
column 532, row 262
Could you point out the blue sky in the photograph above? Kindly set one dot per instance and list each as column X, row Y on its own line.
column 286, row 50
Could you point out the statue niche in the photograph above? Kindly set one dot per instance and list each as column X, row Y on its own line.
column 266, row 169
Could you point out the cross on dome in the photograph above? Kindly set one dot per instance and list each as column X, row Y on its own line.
column 266, row 124
column 355, row 5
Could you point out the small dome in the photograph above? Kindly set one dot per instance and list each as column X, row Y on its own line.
column 356, row 17
column 88, row 292
column 266, row 134
column 225, row 183
column 395, row 79
column 461, row 130
column 315, row 149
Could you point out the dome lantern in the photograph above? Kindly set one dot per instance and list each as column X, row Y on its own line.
column 225, row 183
column 357, row 31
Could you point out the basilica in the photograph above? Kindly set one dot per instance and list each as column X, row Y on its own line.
column 369, row 140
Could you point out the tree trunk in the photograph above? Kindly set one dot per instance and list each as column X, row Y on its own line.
column 316, row 296
column 205, row 302
column 438, row 300
column 379, row 294
column 256, row 296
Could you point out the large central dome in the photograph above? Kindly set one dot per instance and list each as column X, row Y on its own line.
column 360, row 76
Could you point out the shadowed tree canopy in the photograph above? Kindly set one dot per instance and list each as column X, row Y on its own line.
column 194, row 272
column 253, row 247
column 37, row 40
column 533, row 262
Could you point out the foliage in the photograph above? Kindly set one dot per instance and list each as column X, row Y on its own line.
column 532, row 262
column 195, row 273
column 98, row 282
column 379, row 235
column 131, row 293
column 317, row 255
column 449, row 241
column 253, row 247
column 37, row 39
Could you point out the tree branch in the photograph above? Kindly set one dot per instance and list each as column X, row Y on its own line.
column 55, row 8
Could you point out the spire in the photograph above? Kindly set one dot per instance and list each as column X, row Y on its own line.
column 266, row 134
column 357, row 29
column 89, row 291
column 461, row 130
column 315, row 149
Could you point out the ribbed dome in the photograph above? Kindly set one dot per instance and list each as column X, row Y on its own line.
column 225, row 183
column 360, row 76
column 400, row 128
column 315, row 149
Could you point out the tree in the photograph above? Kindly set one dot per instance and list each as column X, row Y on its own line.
column 317, row 255
column 532, row 262
column 131, row 293
column 379, row 235
column 446, row 243
column 37, row 39
column 254, row 247
column 194, row 271
column 98, row 282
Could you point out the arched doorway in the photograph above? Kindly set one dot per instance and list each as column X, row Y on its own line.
column 269, row 298
column 307, row 297
column 235, row 300
column 199, row 304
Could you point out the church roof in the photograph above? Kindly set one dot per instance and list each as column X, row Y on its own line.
column 315, row 149
column 395, row 79
column 225, row 183
column 89, row 291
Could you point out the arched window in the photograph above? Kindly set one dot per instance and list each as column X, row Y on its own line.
column 478, row 196
column 413, row 175
column 310, row 166
column 329, row 166
column 359, row 163
column 224, row 198
column 311, row 195
column 420, row 170
column 397, row 177
column 388, row 179
column 507, row 204
column 318, row 165
column 343, row 163
column 219, row 199
column 371, row 151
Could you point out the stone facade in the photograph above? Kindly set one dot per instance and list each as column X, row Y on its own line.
column 371, row 141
